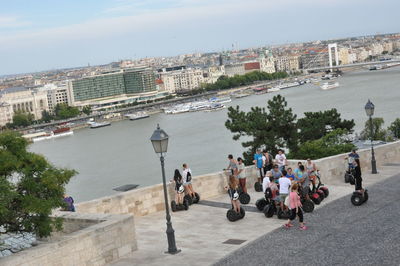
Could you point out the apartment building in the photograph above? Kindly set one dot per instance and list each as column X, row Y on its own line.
column 182, row 80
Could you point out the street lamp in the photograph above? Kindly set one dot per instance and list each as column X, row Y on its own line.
column 369, row 110
column 159, row 139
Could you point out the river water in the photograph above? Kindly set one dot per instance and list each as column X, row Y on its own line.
column 122, row 153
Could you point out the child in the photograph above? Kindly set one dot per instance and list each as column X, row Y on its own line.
column 290, row 174
column 295, row 208
column 233, row 192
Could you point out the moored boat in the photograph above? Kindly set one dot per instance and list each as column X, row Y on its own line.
column 329, row 85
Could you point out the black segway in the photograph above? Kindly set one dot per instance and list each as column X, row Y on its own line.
column 233, row 216
column 358, row 198
column 261, row 203
column 191, row 199
column 179, row 207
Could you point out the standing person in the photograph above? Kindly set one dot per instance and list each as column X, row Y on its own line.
column 295, row 208
column 187, row 180
column 69, row 202
column 241, row 174
column 179, row 189
column 290, row 174
column 311, row 171
column 232, row 165
column 281, row 160
column 276, row 173
column 233, row 192
column 299, row 171
column 357, row 176
column 268, row 161
column 266, row 180
column 284, row 184
column 258, row 162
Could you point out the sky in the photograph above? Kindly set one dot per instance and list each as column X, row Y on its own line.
column 37, row 35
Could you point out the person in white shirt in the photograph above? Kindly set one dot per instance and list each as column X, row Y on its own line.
column 281, row 160
column 284, row 184
column 266, row 181
column 187, row 180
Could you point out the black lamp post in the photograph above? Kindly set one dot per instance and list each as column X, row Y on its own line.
column 159, row 139
column 369, row 109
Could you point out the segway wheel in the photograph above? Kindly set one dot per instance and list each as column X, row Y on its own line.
column 325, row 190
column 321, row 194
column 308, row 206
column 173, row 206
column 231, row 215
column 258, row 187
column 315, row 198
column 244, row 198
column 186, row 205
column 269, row 210
column 279, row 213
column 365, row 196
column 347, row 177
column 357, row 199
column 242, row 213
column 352, row 180
column 196, row 198
column 260, row 204
column 188, row 198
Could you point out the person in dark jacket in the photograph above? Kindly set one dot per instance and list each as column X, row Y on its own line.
column 357, row 175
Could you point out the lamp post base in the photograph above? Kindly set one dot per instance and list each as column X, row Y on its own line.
column 173, row 252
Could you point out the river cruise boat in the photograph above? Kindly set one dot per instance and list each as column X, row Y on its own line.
column 329, row 85
column 93, row 124
column 137, row 116
column 56, row 133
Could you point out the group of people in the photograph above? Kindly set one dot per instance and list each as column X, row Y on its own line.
column 183, row 183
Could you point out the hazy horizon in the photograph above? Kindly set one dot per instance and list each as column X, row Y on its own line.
column 44, row 35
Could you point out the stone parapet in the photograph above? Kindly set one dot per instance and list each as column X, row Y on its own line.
column 87, row 239
column 143, row 201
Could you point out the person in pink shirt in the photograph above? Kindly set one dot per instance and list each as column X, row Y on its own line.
column 295, row 208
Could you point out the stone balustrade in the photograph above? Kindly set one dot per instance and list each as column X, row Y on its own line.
column 86, row 239
column 143, row 201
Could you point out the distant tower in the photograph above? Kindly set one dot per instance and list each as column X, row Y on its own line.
column 221, row 61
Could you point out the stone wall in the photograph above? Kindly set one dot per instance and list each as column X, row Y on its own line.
column 148, row 200
column 87, row 239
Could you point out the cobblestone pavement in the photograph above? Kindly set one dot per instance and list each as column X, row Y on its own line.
column 201, row 233
column 338, row 234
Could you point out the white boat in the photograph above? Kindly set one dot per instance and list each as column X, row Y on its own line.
column 57, row 133
column 199, row 106
column 220, row 100
column 137, row 116
column 284, row 86
column 329, row 85
column 98, row 124
column 216, row 107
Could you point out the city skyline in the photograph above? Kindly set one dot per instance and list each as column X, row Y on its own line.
column 42, row 35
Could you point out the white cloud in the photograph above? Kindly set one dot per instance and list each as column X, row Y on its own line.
column 7, row 21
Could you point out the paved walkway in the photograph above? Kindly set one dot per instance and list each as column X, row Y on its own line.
column 339, row 234
column 201, row 232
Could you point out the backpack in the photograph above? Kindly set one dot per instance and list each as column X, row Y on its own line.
column 268, row 193
column 188, row 177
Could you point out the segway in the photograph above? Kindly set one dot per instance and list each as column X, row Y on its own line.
column 358, row 198
column 233, row 216
column 308, row 205
column 282, row 214
column 269, row 209
column 191, row 199
column 180, row 207
column 321, row 186
column 261, row 203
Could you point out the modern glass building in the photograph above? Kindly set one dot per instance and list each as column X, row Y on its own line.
column 130, row 81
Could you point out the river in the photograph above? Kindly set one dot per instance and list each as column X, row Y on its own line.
column 122, row 153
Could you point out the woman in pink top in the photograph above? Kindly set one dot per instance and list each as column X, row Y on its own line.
column 295, row 207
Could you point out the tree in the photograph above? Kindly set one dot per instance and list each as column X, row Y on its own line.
column 394, row 128
column 333, row 143
column 315, row 125
column 273, row 130
column 63, row 111
column 378, row 133
column 30, row 188
column 87, row 110
column 47, row 117
column 21, row 119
